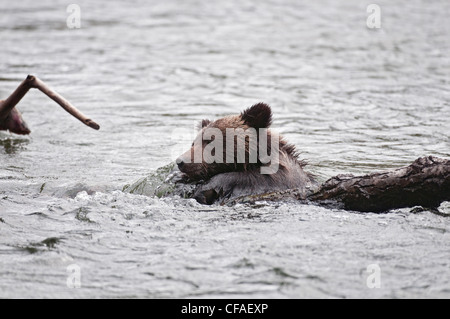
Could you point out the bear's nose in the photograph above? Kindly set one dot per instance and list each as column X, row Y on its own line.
column 180, row 163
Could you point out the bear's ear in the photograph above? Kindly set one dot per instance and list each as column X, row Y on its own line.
column 203, row 123
column 258, row 116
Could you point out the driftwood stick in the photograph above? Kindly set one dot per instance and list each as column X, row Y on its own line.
column 33, row 82
column 7, row 105
column 38, row 84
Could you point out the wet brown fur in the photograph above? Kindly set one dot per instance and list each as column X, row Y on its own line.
column 237, row 179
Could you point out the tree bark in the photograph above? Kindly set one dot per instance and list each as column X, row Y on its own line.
column 426, row 183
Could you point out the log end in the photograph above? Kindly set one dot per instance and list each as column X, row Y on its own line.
column 92, row 124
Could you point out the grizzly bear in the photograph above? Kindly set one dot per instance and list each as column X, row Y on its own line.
column 239, row 155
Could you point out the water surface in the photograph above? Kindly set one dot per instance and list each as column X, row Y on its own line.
column 354, row 100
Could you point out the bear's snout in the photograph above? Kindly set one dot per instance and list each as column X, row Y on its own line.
column 180, row 164
column 195, row 171
column 183, row 162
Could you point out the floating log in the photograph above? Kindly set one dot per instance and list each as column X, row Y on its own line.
column 426, row 183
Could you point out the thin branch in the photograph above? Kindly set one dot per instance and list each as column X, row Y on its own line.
column 7, row 105
column 66, row 105
column 33, row 82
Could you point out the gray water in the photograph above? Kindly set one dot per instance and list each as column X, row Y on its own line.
column 353, row 99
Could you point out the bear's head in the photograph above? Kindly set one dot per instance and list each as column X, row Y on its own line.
column 230, row 144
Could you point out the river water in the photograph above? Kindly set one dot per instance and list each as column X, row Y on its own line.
column 353, row 99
